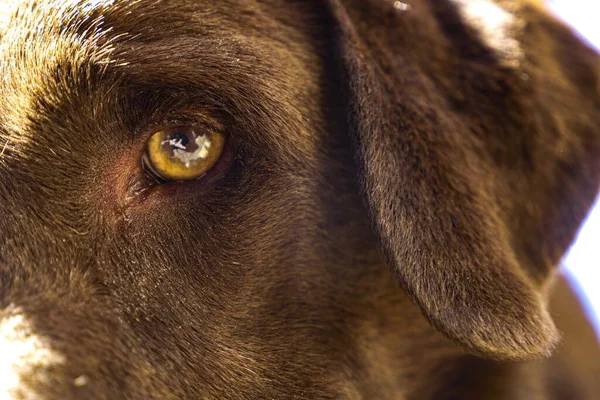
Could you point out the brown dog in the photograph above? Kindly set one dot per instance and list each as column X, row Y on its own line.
column 388, row 189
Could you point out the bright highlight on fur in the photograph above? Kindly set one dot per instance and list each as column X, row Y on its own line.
column 46, row 19
column 24, row 355
column 496, row 27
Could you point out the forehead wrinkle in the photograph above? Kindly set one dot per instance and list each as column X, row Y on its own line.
column 38, row 39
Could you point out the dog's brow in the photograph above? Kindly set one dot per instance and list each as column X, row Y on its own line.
column 39, row 40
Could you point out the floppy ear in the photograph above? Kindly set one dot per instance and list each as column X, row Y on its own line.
column 477, row 168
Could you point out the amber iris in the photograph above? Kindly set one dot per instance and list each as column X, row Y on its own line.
column 183, row 153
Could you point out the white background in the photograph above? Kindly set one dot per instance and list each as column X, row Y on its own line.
column 583, row 260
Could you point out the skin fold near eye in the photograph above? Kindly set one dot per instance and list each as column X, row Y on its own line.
column 183, row 153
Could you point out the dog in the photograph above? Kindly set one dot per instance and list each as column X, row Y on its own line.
column 317, row 199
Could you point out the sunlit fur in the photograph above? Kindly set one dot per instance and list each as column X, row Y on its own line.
column 498, row 28
column 26, row 357
column 30, row 61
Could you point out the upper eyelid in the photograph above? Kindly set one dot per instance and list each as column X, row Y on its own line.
column 150, row 115
column 200, row 121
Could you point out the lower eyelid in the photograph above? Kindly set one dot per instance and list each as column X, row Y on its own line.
column 151, row 188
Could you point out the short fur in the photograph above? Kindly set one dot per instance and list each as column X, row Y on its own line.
column 389, row 227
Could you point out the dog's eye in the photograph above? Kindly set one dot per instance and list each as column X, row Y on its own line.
column 182, row 153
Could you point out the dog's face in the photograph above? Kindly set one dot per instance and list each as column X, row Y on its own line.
column 226, row 286
column 264, row 277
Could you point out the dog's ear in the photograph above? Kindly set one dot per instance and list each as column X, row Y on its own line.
column 476, row 170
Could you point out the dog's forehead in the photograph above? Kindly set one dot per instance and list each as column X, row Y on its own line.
column 49, row 50
column 38, row 38
column 69, row 67
column 45, row 46
column 12, row 9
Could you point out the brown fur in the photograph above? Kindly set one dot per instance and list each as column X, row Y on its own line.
column 389, row 226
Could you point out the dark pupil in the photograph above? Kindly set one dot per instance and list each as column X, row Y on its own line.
column 179, row 140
